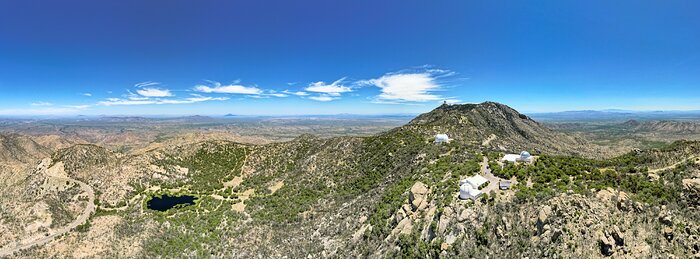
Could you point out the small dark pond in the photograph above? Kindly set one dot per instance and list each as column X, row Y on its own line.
column 167, row 202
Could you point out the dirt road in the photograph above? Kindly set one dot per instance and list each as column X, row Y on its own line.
column 24, row 244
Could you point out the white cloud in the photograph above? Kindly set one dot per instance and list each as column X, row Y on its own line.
column 147, row 83
column 87, row 94
column 144, row 101
column 154, row 92
column 298, row 93
column 44, row 111
column 452, row 101
column 228, row 89
column 79, row 107
column 323, row 98
column 278, row 95
column 407, row 87
column 41, row 104
column 336, row 88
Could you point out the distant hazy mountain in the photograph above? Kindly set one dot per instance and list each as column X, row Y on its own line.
column 615, row 114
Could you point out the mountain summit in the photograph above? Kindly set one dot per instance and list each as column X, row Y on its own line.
column 498, row 126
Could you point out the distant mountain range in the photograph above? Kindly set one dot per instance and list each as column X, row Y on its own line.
column 615, row 114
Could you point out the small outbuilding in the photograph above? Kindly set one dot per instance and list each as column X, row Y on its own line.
column 504, row 184
column 442, row 138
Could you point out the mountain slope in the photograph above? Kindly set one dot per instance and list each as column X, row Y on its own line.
column 509, row 130
column 393, row 194
column 18, row 148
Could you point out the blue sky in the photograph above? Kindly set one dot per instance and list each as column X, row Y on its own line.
column 328, row 57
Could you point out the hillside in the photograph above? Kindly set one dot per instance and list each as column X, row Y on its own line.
column 15, row 148
column 499, row 127
column 664, row 126
column 392, row 194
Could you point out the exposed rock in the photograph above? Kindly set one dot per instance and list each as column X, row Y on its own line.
column 691, row 189
column 618, row 236
column 417, row 196
column 605, row 243
column 445, row 218
column 418, row 203
column 668, row 233
column 400, row 215
column 666, row 220
column 465, row 215
column 542, row 216
column 556, row 234
column 444, row 246
column 622, row 199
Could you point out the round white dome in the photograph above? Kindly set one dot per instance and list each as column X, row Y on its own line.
column 524, row 154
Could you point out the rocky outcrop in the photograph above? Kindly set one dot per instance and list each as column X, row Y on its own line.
column 417, row 196
column 691, row 191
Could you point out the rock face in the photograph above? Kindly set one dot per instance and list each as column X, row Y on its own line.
column 542, row 218
column 417, row 196
column 691, row 189
column 606, row 243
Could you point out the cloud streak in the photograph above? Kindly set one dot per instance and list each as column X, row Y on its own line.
column 217, row 87
column 195, row 98
column 405, row 87
column 41, row 104
column 154, row 92
column 334, row 89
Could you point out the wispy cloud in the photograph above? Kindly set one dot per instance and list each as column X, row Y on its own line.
column 297, row 93
column 334, row 89
column 323, row 98
column 145, row 84
column 154, row 92
column 43, row 111
column 41, row 104
column 325, row 92
column 404, row 87
column 195, row 98
column 217, row 87
column 86, row 94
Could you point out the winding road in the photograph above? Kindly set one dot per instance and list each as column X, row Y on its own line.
column 25, row 244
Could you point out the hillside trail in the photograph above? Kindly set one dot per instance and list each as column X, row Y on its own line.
column 82, row 218
column 654, row 171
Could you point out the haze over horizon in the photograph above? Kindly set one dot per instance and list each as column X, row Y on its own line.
column 354, row 57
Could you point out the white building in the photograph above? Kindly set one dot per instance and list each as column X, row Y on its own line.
column 467, row 192
column 440, row 138
column 523, row 157
column 475, row 181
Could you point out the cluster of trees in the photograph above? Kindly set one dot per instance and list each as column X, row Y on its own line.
column 209, row 166
column 553, row 174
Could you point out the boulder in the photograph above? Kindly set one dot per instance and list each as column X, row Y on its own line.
column 605, row 243
column 445, row 218
column 400, row 215
column 556, row 234
column 691, row 189
column 618, row 236
column 418, row 203
column 622, row 199
column 444, row 246
column 465, row 215
column 542, row 216
column 417, row 196
column 668, row 233
column 666, row 220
